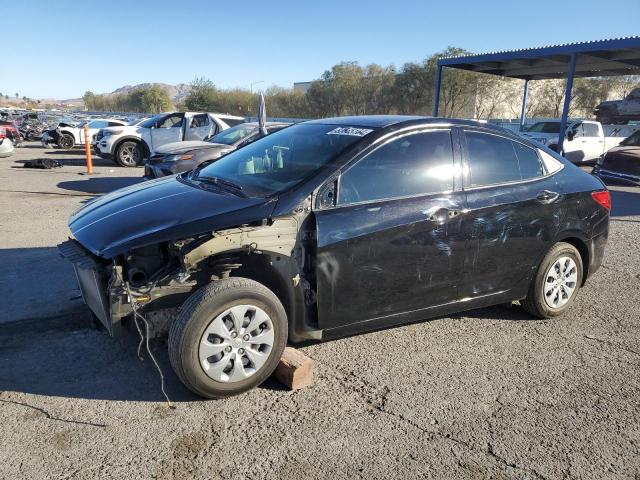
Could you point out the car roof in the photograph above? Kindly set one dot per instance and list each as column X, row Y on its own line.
column 383, row 121
column 367, row 120
column 268, row 124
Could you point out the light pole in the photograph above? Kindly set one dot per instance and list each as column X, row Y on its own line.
column 255, row 83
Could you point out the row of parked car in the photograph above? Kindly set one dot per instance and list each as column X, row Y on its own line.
column 175, row 142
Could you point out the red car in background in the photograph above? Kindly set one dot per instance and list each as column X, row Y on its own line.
column 12, row 132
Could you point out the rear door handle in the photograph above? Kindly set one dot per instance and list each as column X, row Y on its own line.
column 547, row 196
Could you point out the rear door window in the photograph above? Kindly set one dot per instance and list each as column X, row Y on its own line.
column 414, row 164
column 590, row 130
column 200, row 120
column 492, row 159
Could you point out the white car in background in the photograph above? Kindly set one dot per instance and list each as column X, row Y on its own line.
column 67, row 135
column 585, row 140
column 130, row 145
column 6, row 145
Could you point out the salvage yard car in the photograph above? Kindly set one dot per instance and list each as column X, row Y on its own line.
column 620, row 111
column 130, row 144
column 585, row 140
column 621, row 163
column 67, row 135
column 332, row 227
column 181, row 157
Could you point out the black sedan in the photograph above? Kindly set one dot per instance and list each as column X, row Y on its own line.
column 178, row 157
column 337, row 226
column 621, row 163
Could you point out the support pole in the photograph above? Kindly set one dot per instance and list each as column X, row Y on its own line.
column 87, row 149
column 436, row 100
column 567, row 101
column 525, row 96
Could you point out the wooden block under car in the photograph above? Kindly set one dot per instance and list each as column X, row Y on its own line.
column 295, row 369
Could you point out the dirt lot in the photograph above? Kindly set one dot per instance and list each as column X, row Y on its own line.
column 490, row 393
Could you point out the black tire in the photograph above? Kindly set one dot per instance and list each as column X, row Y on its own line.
column 195, row 315
column 66, row 141
column 535, row 303
column 129, row 154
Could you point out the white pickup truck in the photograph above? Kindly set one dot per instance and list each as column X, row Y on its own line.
column 585, row 140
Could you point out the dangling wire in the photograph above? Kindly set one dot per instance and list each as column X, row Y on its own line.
column 145, row 339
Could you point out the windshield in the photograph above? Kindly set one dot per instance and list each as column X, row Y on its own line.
column 136, row 121
column 633, row 140
column 545, row 127
column 151, row 122
column 282, row 159
column 233, row 134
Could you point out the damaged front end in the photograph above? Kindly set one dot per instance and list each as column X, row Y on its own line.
column 159, row 278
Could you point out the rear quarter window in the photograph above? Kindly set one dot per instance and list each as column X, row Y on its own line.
column 492, row 159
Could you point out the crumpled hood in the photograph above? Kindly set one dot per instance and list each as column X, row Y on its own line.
column 160, row 210
column 174, row 148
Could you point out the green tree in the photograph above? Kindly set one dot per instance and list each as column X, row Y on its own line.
column 457, row 85
column 154, row 99
column 203, row 95
column 414, row 89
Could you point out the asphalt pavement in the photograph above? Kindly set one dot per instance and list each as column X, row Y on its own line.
column 489, row 393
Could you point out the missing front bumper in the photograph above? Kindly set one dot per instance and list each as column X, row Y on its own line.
column 93, row 280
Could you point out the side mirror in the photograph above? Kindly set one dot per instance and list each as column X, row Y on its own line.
column 571, row 134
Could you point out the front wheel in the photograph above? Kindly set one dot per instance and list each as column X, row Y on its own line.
column 228, row 337
column 66, row 141
column 556, row 284
column 129, row 154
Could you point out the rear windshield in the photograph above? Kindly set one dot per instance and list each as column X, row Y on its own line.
column 545, row 127
column 632, row 141
column 232, row 122
column 233, row 135
column 283, row 159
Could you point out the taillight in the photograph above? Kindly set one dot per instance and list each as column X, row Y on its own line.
column 603, row 198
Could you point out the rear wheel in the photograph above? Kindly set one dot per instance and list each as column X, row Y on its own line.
column 228, row 337
column 129, row 154
column 66, row 141
column 556, row 283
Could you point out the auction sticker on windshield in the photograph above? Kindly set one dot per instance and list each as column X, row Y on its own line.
column 354, row 132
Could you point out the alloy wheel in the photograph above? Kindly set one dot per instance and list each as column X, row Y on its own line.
column 560, row 282
column 130, row 154
column 236, row 344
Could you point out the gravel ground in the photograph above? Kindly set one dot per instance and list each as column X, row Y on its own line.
column 489, row 393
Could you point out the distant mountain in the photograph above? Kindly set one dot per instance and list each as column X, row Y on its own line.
column 176, row 92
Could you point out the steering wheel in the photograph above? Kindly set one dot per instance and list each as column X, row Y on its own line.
column 348, row 191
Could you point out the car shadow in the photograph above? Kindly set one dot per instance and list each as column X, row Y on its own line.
column 73, row 151
column 75, row 161
column 69, row 357
column 98, row 185
column 53, row 347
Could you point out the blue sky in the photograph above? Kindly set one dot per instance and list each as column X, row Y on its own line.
column 64, row 47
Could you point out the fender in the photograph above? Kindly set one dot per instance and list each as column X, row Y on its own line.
column 76, row 141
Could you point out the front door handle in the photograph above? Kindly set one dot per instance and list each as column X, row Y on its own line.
column 547, row 196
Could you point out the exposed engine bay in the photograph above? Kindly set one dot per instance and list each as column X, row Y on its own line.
column 159, row 277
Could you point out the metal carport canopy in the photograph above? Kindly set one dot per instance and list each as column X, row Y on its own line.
column 600, row 58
